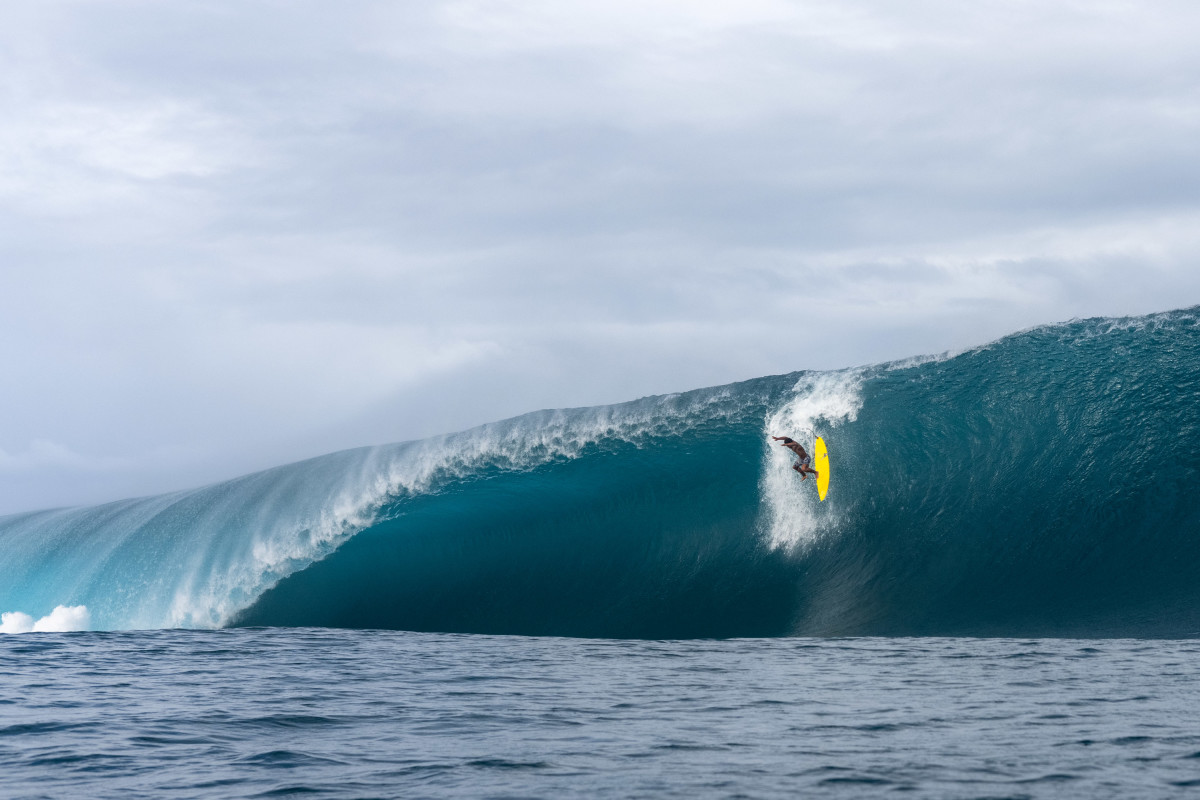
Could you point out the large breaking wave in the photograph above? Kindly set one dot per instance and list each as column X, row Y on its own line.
column 1046, row 484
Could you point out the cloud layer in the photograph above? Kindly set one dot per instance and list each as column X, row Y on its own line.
column 238, row 233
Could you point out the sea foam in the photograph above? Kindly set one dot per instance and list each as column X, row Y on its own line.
column 62, row 618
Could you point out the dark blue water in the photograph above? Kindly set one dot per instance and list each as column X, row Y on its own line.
column 1045, row 485
column 351, row 714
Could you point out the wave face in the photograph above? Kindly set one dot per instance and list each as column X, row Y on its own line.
column 1046, row 484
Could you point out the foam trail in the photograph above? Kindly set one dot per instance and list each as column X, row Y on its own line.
column 821, row 403
column 61, row 619
column 15, row 622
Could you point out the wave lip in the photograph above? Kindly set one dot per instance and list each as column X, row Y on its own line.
column 198, row 558
column 1043, row 484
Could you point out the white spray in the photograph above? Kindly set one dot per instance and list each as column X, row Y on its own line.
column 303, row 512
column 62, row 618
column 821, row 403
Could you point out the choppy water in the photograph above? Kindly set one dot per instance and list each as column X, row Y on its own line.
column 1044, row 485
column 352, row 713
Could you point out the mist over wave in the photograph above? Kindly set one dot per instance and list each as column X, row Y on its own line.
column 1045, row 484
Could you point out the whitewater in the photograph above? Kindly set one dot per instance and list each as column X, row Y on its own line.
column 1046, row 484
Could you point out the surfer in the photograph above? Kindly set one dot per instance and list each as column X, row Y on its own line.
column 804, row 465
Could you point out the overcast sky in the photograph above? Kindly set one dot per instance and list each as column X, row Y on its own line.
column 234, row 234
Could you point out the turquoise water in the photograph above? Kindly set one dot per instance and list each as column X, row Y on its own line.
column 644, row 600
column 1045, row 484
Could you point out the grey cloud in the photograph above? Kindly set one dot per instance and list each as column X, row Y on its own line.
column 236, row 233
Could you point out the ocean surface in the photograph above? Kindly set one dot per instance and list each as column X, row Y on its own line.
column 328, row 713
column 999, row 597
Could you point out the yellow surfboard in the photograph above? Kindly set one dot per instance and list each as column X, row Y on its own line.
column 821, row 465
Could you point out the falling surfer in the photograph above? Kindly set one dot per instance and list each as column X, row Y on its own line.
column 804, row 464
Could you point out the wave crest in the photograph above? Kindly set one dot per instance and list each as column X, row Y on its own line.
column 1047, row 483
